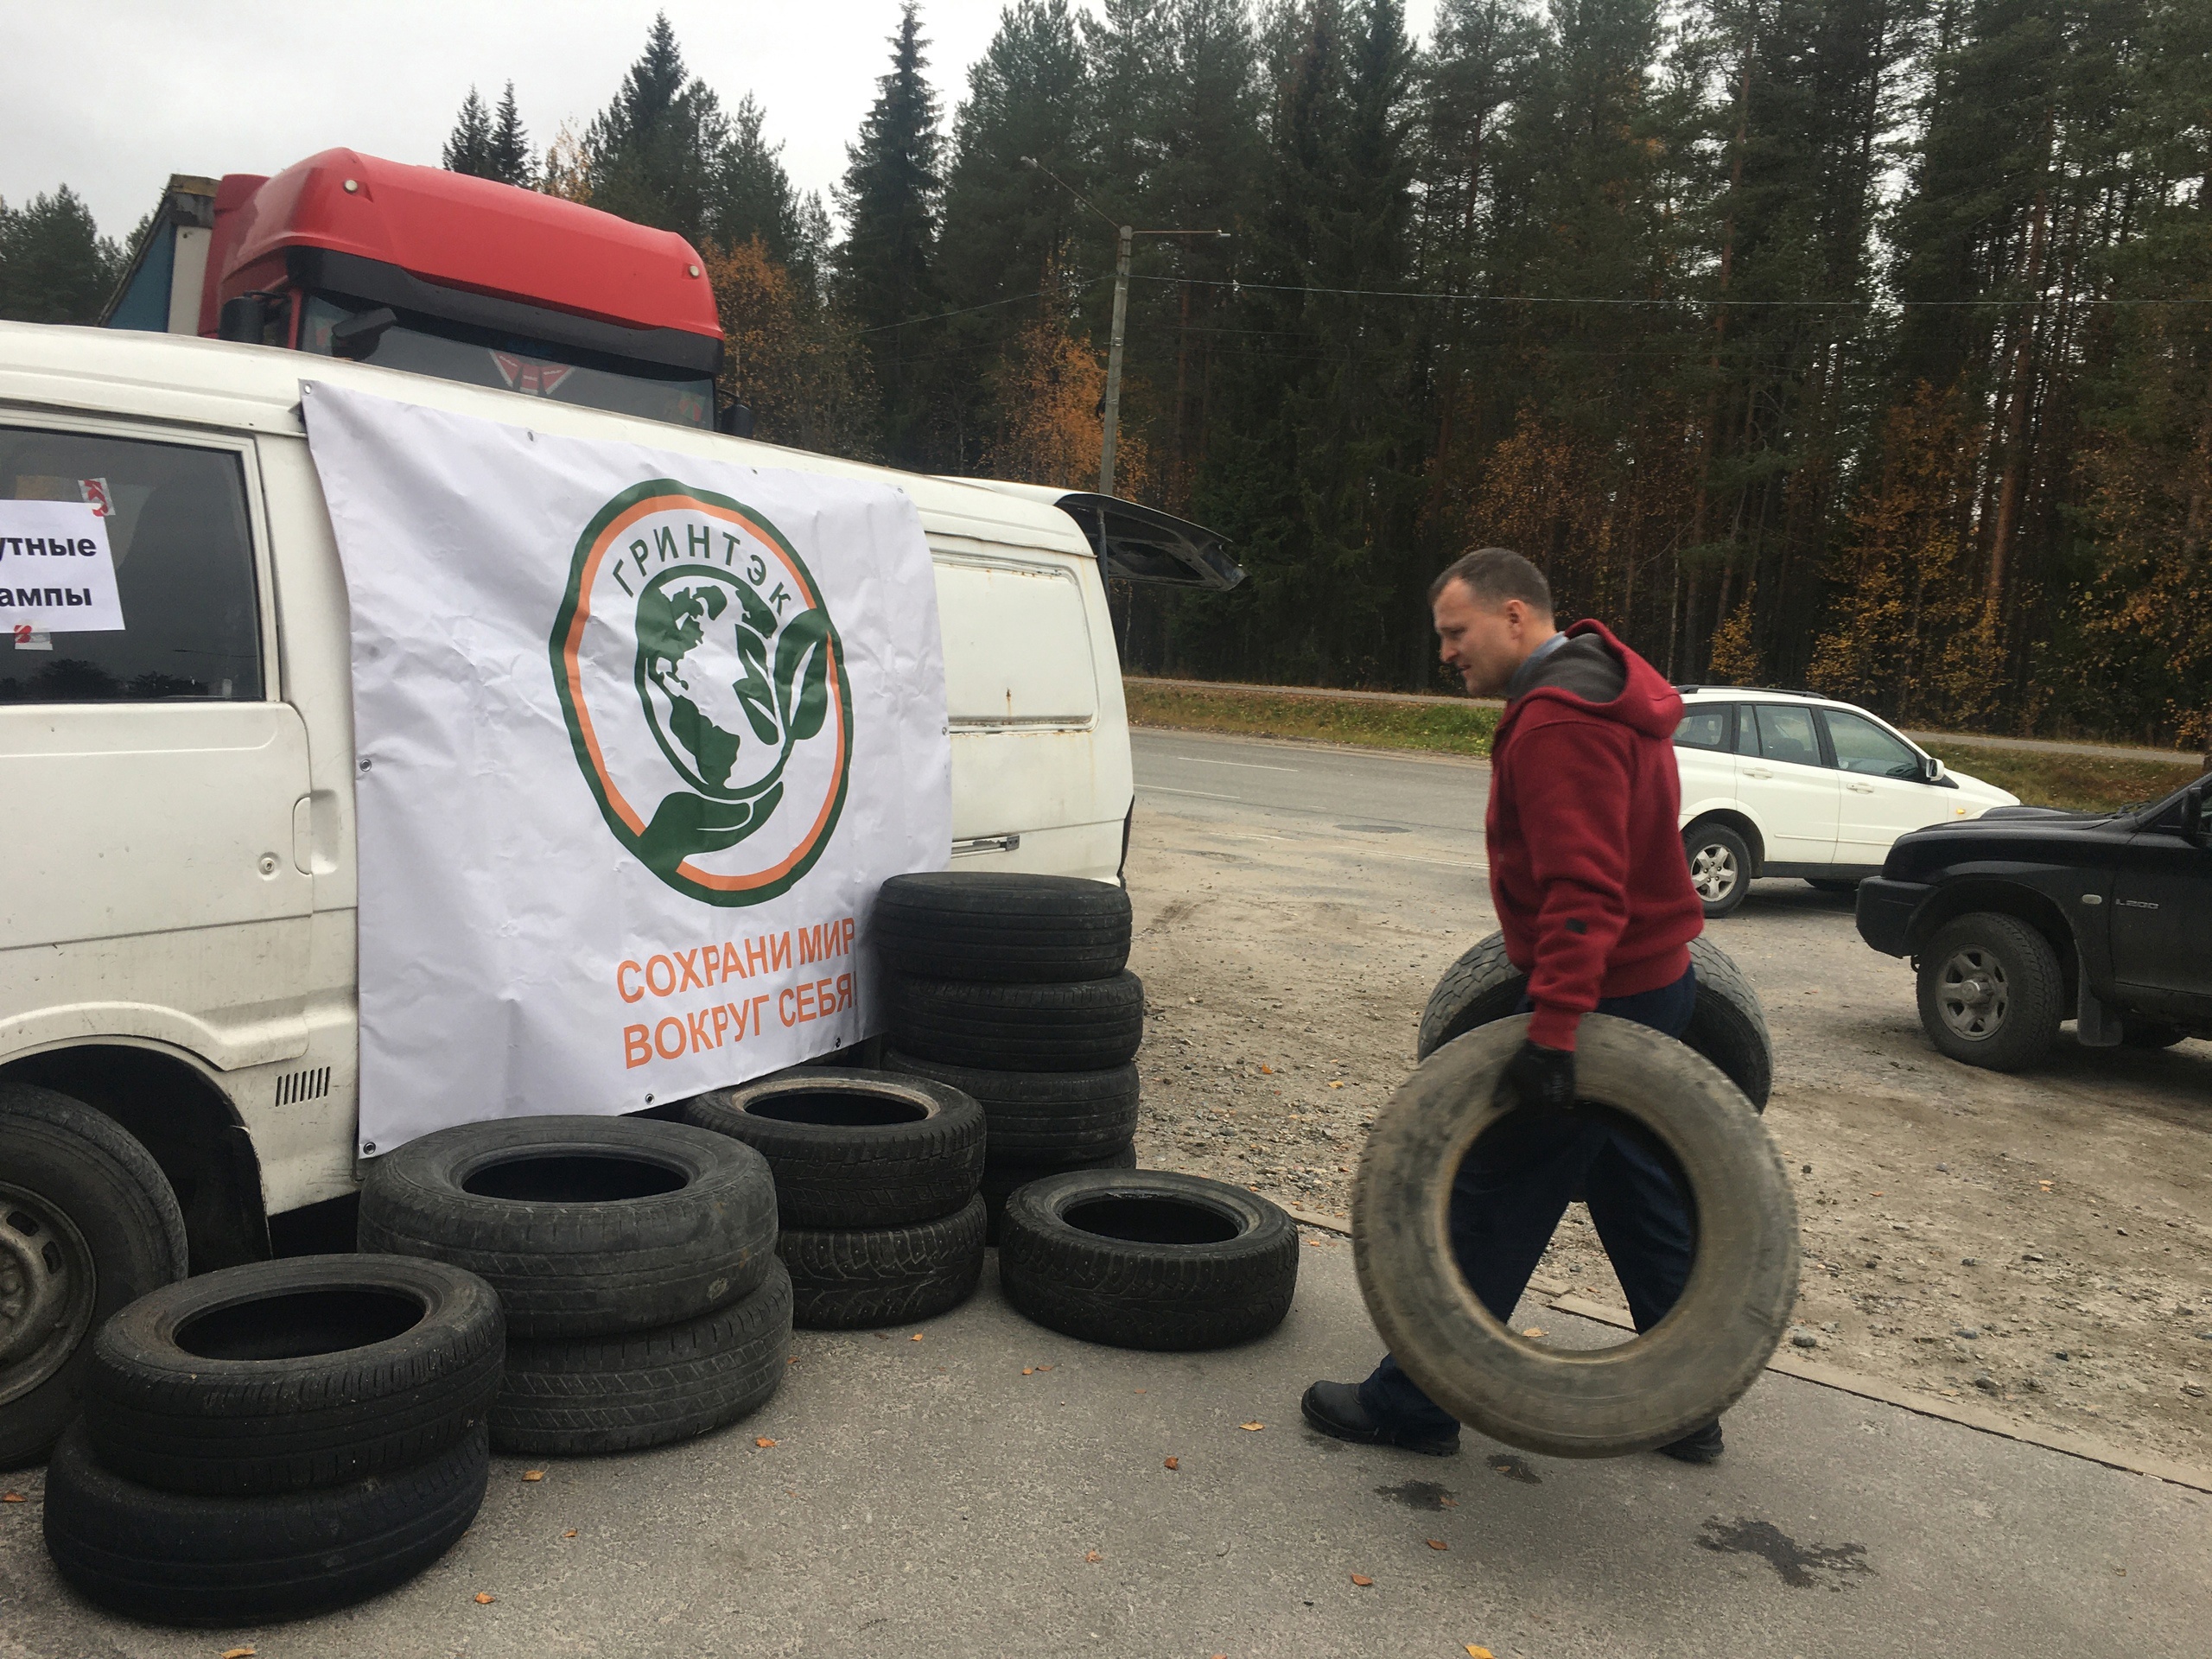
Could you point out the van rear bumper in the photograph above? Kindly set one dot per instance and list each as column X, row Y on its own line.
column 1885, row 911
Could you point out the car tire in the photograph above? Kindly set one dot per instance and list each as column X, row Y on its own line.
column 177, row 1558
column 1001, row 926
column 855, row 1279
column 1728, row 1025
column 583, row 1395
column 584, row 1225
column 853, row 1149
column 1991, row 992
column 1148, row 1259
column 281, row 1377
column 1002, row 1181
column 1670, row 1380
column 1085, row 1025
column 88, row 1224
column 1721, row 868
column 1043, row 1118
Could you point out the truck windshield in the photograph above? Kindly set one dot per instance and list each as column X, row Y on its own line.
column 478, row 357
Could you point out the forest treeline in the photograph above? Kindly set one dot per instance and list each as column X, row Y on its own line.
column 1858, row 344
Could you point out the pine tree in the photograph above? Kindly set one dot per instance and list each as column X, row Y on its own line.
column 753, row 192
column 507, row 154
column 653, row 153
column 55, row 264
column 469, row 148
column 890, row 197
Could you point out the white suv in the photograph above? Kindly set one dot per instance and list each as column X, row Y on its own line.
column 1783, row 783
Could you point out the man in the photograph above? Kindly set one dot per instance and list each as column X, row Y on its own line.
column 1587, row 875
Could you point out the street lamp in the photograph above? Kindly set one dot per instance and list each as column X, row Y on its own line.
column 1125, row 235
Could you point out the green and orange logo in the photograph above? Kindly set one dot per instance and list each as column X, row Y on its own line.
column 703, row 685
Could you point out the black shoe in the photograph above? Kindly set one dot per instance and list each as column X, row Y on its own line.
column 1334, row 1409
column 1698, row 1445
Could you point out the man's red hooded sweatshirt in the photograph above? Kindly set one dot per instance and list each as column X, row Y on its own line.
column 1586, row 853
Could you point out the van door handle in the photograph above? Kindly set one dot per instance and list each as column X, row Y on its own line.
column 1756, row 771
column 1861, row 789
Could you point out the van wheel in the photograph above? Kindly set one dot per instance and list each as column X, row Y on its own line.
column 88, row 1223
column 1721, row 866
column 1991, row 991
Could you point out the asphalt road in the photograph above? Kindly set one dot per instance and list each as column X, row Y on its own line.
column 926, row 1498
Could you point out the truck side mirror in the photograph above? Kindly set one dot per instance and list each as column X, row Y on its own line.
column 2197, row 815
column 357, row 335
column 734, row 419
column 243, row 318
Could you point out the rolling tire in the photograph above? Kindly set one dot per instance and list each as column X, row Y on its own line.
column 590, row 1395
column 856, row 1279
column 1048, row 1118
column 1728, row 1025
column 1002, row 1181
column 1648, row 1392
column 1005, row 927
column 1721, row 866
column 175, row 1558
column 1148, row 1259
column 88, row 1224
column 1089, row 1025
column 280, row 1376
column 1991, row 991
column 853, row 1149
column 584, row 1225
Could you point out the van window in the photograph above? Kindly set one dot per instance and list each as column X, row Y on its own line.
column 1787, row 733
column 1704, row 727
column 1017, row 644
column 184, row 551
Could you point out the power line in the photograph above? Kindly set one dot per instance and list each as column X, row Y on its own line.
column 1683, row 299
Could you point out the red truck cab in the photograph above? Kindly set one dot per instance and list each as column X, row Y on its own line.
column 436, row 273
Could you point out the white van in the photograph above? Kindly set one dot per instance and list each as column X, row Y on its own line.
column 176, row 805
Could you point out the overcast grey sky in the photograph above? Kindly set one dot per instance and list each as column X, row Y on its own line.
column 110, row 97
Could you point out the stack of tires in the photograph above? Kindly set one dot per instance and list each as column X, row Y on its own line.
column 1013, row 989
column 276, row 1440
column 876, row 1186
column 636, row 1262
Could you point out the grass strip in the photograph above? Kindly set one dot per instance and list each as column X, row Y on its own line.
column 1436, row 728
column 2077, row 783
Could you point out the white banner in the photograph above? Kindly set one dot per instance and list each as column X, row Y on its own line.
column 56, row 574
column 637, row 737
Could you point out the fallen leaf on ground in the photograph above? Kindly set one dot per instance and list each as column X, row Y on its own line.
column 570, row 1533
column 793, row 1360
column 1174, row 1463
column 1877, row 1195
column 917, row 1337
column 240, row 1653
column 2045, row 1185
column 1361, row 1580
column 12, row 1498
column 1044, row 1368
column 1142, row 1391
column 1534, row 1331
column 1250, row 1427
column 484, row 1599
column 1474, row 1652
column 1438, row 1543
column 762, row 1441
column 1029, row 1370
column 1268, row 1070
column 1091, row 1555
column 1335, row 1085
column 533, row 1474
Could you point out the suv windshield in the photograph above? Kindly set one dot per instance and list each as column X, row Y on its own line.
column 479, row 357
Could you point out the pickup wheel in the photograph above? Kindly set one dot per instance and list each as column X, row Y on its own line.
column 1721, row 866
column 1991, row 992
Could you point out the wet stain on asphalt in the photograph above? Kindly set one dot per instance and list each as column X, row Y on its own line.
column 1515, row 1468
column 1421, row 1495
column 1800, row 1565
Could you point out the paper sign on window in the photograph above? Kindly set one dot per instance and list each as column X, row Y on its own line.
column 56, row 573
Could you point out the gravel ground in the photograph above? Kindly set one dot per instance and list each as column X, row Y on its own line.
column 2038, row 1245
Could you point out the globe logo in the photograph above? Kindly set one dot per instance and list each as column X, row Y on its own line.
column 703, row 683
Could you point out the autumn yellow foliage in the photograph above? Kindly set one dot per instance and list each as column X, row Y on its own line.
column 1050, row 385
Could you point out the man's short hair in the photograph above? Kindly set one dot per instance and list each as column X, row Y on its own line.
column 1494, row 574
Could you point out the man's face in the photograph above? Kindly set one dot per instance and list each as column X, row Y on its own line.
column 1485, row 644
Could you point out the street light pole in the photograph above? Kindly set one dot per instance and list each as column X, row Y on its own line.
column 1112, row 425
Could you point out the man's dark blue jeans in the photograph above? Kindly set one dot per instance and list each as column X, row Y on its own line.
column 1514, row 1184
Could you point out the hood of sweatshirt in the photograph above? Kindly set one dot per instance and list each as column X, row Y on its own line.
column 1599, row 678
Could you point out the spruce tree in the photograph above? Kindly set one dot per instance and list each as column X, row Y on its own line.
column 469, row 150
column 55, row 264
column 507, row 155
column 653, row 153
column 886, row 265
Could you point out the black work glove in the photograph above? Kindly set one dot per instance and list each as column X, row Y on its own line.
column 1538, row 1077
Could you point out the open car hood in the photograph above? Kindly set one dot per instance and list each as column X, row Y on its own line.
column 1135, row 542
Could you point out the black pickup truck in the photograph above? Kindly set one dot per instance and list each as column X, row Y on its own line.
column 2026, row 917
